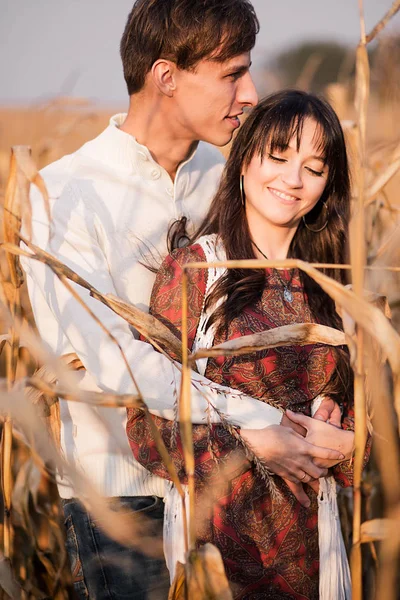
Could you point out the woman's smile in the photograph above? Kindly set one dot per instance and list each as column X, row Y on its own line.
column 284, row 197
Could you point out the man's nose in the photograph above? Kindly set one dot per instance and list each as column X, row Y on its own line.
column 247, row 93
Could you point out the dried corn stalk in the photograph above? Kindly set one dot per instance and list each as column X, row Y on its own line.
column 202, row 577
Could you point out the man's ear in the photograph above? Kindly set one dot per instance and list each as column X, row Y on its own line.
column 163, row 73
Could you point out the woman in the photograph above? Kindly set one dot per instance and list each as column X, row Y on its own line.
column 285, row 193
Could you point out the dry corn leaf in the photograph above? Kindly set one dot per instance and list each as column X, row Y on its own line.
column 298, row 334
column 29, row 170
column 357, row 224
column 386, row 442
column 384, row 21
column 16, row 206
column 376, row 530
column 388, row 251
column 373, row 314
column 146, row 324
column 44, row 397
column 373, row 321
column 7, row 581
column 46, row 394
column 137, row 321
column 17, row 191
column 362, row 91
column 369, row 317
column 384, row 177
column 26, row 483
column 349, row 325
column 49, row 411
column 387, row 588
column 121, row 525
column 185, row 421
column 150, row 327
column 364, row 314
column 202, row 577
column 358, row 260
column 177, row 590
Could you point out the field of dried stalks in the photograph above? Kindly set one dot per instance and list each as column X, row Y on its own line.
column 32, row 556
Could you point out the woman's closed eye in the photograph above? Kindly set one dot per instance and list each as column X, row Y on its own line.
column 277, row 159
column 314, row 172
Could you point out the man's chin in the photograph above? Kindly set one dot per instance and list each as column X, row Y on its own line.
column 219, row 137
column 221, row 140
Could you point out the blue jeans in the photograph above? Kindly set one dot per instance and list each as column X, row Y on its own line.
column 101, row 568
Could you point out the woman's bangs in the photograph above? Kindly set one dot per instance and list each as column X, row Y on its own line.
column 285, row 129
column 279, row 129
column 322, row 140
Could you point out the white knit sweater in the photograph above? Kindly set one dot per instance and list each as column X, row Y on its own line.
column 111, row 203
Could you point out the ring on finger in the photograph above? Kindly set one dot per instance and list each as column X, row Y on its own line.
column 304, row 476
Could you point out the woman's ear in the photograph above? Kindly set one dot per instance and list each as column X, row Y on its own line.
column 163, row 75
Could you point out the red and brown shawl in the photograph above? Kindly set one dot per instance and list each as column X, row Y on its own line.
column 269, row 544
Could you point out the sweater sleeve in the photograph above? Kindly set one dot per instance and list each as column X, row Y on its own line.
column 213, row 445
column 74, row 240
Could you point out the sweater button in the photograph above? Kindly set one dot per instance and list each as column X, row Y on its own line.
column 155, row 174
column 142, row 155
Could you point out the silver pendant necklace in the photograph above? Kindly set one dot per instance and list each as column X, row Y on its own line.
column 287, row 292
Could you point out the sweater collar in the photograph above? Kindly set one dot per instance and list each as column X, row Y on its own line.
column 120, row 149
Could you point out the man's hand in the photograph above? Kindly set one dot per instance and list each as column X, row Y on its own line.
column 290, row 456
column 286, row 422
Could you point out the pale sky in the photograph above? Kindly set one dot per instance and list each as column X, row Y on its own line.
column 51, row 47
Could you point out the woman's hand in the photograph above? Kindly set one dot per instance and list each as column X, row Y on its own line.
column 328, row 411
column 290, row 456
column 319, row 432
column 324, row 434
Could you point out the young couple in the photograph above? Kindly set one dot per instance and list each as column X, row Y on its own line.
column 284, row 192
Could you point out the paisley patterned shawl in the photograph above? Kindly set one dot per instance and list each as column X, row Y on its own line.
column 269, row 545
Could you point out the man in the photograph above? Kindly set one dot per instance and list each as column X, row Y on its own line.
column 186, row 65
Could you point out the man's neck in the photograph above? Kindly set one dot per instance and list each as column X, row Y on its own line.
column 152, row 127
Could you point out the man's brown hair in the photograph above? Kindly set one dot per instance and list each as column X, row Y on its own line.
column 184, row 31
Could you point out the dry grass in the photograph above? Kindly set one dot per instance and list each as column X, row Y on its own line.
column 51, row 129
column 33, row 562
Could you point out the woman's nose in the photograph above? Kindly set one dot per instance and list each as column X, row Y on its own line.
column 291, row 176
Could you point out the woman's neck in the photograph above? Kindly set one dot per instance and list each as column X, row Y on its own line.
column 274, row 242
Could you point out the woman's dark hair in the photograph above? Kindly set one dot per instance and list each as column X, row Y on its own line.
column 269, row 127
column 184, row 31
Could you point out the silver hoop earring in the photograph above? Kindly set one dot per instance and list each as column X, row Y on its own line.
column 242, row 196
column 323, row 226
